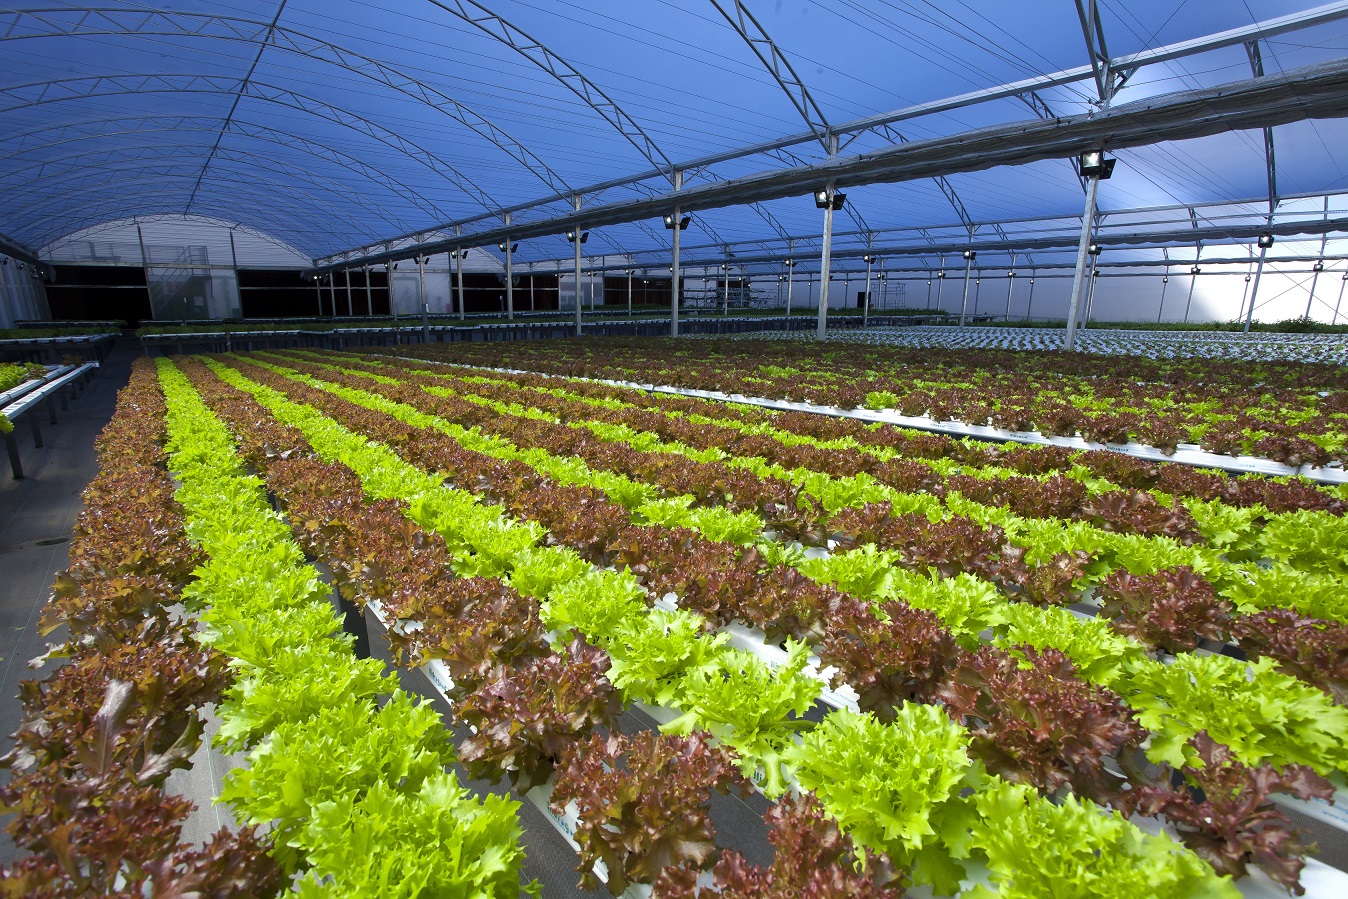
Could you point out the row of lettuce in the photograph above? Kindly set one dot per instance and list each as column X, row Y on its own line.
column 101, row 734
column 662, row 657
column 1286, row 411
column 1159, row 600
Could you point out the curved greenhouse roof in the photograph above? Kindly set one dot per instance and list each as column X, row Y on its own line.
column 360, row 131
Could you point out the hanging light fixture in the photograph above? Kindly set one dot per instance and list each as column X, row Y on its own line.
column 970, row 255
column 502, row 246
column 1265, row 240
column 1094, row 163
column 584, row 235
column 821, row 199
column 1319, row 266
column 683, row 222
column 1094, row 249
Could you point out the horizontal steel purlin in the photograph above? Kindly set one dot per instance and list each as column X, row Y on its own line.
column 1319, row 91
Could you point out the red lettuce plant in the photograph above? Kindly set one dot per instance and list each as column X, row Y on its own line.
column 642, row 801
column 526, row 715
column 1226, row 815
column 1171, row 610
column 889, row 658
column 1034, row 721
column 813, row 860
column 1311, row 649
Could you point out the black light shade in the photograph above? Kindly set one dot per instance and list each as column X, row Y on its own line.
column 1165, row 279
column 1265, row 241
column 868, row 259
column 970, row 255
column 584, row 235
column 1011, row 274
column 1247, row 279
column 941, row 273
column 683, row 222
column 1195, row 270
column 821, row 199
column 1094, row 163
column 1094, row 249
column 463, row 254
column 1318, row 267
column 502, row 246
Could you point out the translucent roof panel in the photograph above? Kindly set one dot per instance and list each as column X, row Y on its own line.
column 340, row 124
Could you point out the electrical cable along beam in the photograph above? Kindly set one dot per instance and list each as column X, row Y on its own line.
column 1313, row 92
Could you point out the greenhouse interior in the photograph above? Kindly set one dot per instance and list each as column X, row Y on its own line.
column 467, row 449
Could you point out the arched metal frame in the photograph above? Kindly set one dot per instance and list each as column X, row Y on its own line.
column 257, row 132
column 105, row 21
column 87, row 232
column 495, row 26
column 1109, row 73
column 60, row 90
column 153, row 178
column 324, row 187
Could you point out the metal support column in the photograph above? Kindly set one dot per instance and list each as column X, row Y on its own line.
column 1165, row 280
column 318, row 293
column 11, row 307
column 1254, row 288
column 1029, row 303
column 149, row 285
column 1010, row 285
column 821, row 326
column 674, row 273
column 510, row 285
column 350, row 309
column 531, row 287
column 576, row 241
column 866, row 299
column 968, row 269
column 234, row 262
column 369, row 293
column 940, row 285
column 332, row 291
column 1193, row 282
column 725, row 307
column 1342, row 281
column 629, row 293
column 425, row 307
column 1315, row 279
column 790, row 280
column 459, row 259
column 1090, row 293
column 1083, row 247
